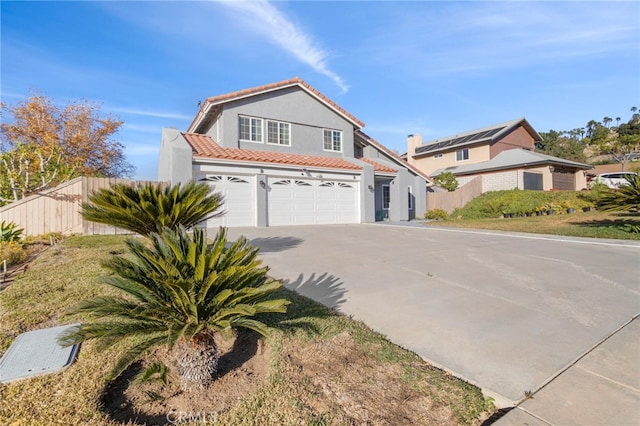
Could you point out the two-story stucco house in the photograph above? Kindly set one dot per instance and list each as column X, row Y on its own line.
column 502, row 155
column 284, row 154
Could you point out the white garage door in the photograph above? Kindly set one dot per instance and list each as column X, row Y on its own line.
column 239, row 200
column 308, row 202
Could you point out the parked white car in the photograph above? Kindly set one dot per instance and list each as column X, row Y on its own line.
column 614, row 179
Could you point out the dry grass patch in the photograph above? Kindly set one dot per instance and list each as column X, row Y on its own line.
column 592, row 224
column 316, row 367
column 345, row 385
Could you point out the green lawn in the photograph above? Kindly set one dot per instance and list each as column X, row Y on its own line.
column 594, row 224
column 324, row 368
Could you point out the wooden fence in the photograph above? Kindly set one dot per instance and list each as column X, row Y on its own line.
column 58, row 209
column 449, row 201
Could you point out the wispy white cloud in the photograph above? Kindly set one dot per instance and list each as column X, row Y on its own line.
column 141, row 128
column 284, row 33
column 151, row 113
column 11, row 95
column 472, row 37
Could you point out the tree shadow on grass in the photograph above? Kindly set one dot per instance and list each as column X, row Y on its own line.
column 245, row 346
column 121, row 409
column 313, row 298
column 626, row 222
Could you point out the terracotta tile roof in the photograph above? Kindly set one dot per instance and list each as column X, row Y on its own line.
column 269, row 87
column 205, row 147
column 396, row 157
column 377, row 166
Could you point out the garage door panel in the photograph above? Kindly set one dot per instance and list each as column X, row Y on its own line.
column 308, row 201
column 239, row 200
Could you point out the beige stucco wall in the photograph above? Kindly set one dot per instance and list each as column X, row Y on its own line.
column 430, row 164
column 547, row 178
column 510, row 179
column 581, row 180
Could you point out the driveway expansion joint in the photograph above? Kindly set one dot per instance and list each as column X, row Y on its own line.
column 574, row 362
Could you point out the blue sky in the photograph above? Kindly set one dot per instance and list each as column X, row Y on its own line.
column 435, row 68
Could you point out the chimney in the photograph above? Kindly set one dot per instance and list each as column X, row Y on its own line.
column 413, row 142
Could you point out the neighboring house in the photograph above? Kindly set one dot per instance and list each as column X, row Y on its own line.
column 284, row 154
column 502, row 154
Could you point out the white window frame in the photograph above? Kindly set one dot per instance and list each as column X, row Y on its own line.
column 253, row 137
column 462, row 153
column 332, row 134
column 410, row 195
column 283, row 137
column 438, row 156
column 386, row 203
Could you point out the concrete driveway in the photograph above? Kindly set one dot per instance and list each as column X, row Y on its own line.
column 511, row 313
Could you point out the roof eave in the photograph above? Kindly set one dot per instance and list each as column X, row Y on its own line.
column 210, row 160
column 202, row 113
column 515, row 166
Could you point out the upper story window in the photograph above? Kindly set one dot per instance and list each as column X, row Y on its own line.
column 278, row 133
column 438, row 156
column 332, row 140
column 250, row 129
column 462, row 154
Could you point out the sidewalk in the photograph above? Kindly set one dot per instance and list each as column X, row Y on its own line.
column 601, row 388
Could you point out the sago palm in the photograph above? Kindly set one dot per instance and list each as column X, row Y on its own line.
column 179, row 292
column 623, row 198
column 151, row 207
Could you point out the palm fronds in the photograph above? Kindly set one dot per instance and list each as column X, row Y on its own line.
column 624, row 198
column 152, row 207
column 178, row 289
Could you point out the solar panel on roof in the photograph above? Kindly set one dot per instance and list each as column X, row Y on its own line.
column 495, row 131
column 459, row 140
column 467, row 138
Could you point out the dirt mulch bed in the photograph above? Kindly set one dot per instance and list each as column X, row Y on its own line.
column 243, row 365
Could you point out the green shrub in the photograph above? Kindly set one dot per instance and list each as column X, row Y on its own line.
column 151, row 207
column 436, row 214
column 10, row 232
column 626, row 197
column 179, row 291
column 446, row 180
column 521, row 202
column 12, row 251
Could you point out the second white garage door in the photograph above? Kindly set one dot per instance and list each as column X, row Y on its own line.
column 310, row 202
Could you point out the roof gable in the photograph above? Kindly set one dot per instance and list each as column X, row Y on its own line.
column 366, row 139
column 473, row 137
column 210, row 105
